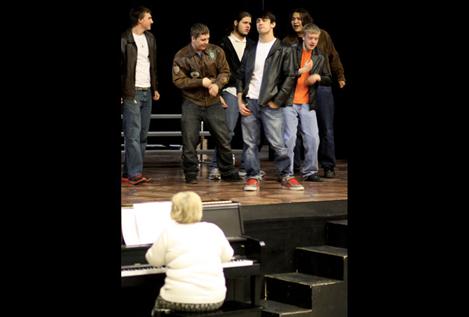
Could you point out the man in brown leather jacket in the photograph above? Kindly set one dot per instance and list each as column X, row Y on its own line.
column 200, row 70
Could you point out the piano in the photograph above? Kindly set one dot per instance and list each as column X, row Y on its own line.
column 141, row 281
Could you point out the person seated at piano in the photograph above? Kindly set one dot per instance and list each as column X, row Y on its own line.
column 193, row 252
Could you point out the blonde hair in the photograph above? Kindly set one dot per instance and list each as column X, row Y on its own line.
column 186, row 207
column 311, row 28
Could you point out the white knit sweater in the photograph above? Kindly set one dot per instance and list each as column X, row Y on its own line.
column 193, row 254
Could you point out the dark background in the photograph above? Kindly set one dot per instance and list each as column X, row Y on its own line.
column 61, row 146
column 171, row 27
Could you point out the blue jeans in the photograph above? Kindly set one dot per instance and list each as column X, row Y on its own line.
column 136, row 122
column 299, row 117
column 325, row 114
column 231, row 118
column 272, row 120
column 214, row 117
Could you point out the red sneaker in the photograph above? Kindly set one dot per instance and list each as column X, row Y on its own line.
column 252, row 184
column 291, row 183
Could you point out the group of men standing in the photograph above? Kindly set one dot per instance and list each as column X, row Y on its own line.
column 282, row 86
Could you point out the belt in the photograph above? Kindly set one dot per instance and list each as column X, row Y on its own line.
column 142, row 88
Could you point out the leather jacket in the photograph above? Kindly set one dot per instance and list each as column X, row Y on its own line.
column 189, row 69
column 278, row 78
column 232, row 57
column 129, row 63
column 320, row 66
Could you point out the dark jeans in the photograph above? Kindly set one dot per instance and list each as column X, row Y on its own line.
column 325, row 116
column 214, row 117
column 231, row 118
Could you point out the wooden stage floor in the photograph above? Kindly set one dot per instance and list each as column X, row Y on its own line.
column 168, row 179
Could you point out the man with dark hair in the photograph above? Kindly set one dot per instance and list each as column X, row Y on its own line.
column 234, row 45
column 200, row 70
column 139, row 86
column 264, row 85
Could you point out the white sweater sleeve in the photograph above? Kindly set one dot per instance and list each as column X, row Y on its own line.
column 226, row 249
column 156, row 254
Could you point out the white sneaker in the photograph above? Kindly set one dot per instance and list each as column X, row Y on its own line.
column 214, row 174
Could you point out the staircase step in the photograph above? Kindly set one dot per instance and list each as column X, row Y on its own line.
column 271, row 308
column 325, row 260
column 337, row 233
column 326, row 297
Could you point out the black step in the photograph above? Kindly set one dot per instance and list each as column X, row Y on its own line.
column 324, row 260
column 272, row 308
column 337, row 233
column 326, row 297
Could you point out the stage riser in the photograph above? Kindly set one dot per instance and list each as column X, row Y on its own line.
column 326, row 297
column 325, row 261
column 337, row 233
column 272, row 308
column 282, row 236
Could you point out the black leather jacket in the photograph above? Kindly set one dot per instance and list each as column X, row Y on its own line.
column 232, row 57
column 129, row 63
column 278, row 77
column 320, row 66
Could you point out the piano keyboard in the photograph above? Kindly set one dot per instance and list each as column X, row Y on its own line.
column 147, row 269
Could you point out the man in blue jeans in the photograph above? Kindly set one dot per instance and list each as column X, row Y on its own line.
column 234, row 46
column 266, row 78
column 139, row 87
column 300, row 114
column 325, row 99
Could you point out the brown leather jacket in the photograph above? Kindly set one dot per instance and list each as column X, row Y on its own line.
column 189, row 69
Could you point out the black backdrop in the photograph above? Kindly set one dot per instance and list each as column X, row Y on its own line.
column 172, row 21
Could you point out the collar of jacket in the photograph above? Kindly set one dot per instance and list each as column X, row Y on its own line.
column 193, row 52
column 130, row 37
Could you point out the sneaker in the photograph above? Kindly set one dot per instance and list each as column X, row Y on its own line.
column 262, row 174
column 214, row 174
column 291, row 183
column 312, row 178
column 329, row 173
column 136, row 180
column 252, row 184
column 191, row 180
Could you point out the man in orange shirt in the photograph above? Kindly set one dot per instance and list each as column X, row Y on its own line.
column 300, row 111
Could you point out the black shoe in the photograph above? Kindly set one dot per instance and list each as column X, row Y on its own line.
column 191, row 180
column 312, row 178
column 329, row 173
column 234, row 177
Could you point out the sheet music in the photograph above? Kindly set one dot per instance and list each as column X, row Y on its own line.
column 144, row 223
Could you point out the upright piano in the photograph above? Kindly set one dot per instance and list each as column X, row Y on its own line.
column 140, row 282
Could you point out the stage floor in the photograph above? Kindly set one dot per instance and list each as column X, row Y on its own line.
column 168, row 179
